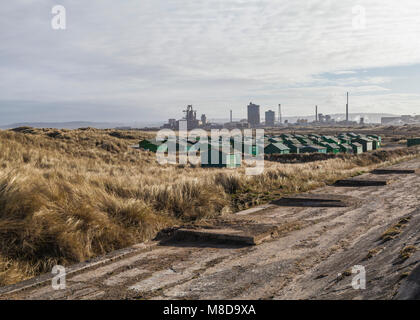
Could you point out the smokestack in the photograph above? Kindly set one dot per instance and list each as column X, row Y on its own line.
column 230, row 116
column 316, row 113
column 347, row 108
column 280, row 113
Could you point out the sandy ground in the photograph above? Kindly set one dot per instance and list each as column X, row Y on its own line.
column 310, row 257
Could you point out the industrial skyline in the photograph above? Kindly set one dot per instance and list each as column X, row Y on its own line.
column 254, row 119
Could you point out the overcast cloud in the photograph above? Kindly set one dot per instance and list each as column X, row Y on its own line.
column 143, row 60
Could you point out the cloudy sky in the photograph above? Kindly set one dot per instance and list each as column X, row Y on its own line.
column 144, row 60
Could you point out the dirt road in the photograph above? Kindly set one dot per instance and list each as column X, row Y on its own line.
column 310, row 257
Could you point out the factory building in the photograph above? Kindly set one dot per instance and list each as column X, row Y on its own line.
column 253, row 114
column 190, row 118
column 404, row 119
column 269, row 118
column 203, row 120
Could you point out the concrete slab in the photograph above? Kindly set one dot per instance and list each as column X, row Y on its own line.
column 309, row 202
column 317, row 200
column 245, row 235
column 254, row 210
column 361, row 183
column 393, row 171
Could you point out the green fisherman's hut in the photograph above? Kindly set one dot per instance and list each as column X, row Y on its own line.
column 375, row 136
column 274, row 140
column 344, row 138
column 150, row 144
column 313, row 149
column 346, row 148
column 294, row 147
column 249, row 147
column 330, row 139
column 332, row 148
column 413, row 142
column 212, row 157
column 376, row 144
column 357, row 147
column 276, row 148
column 304, row 141
column 314, row 136
column 366, row 143
column 352, row 135
column 285, row 136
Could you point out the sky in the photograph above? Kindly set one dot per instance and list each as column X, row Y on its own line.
column 145, row 60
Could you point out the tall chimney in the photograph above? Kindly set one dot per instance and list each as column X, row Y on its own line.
column 316, row 113
column 347, row 108
column 230, row 116
column 280, row 113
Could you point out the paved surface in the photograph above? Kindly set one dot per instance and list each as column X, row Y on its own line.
column 309, row 257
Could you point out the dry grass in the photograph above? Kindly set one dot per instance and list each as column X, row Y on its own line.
column 395, row 230
column 407, row 252
column 373, row 252
column 69, row 195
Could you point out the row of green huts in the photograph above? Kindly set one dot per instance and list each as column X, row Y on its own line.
column 312, row 143
column 213, row 155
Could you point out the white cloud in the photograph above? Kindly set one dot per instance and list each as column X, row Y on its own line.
column 344, row 72
column 164, row 54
